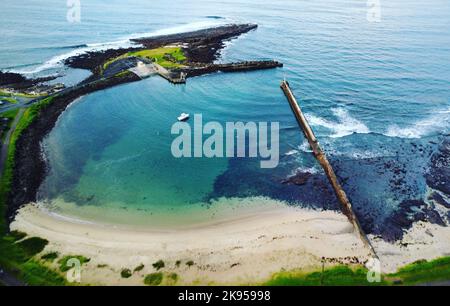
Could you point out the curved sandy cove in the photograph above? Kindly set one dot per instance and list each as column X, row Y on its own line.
column 242, row 248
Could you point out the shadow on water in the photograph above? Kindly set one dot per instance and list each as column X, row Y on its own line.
column 67, row 157
column 387, row 188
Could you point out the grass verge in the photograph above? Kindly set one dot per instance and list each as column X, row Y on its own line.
column 420, row 272
column 17, row 251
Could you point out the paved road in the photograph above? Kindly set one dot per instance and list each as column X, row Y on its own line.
column 6, row 278
column 5, row 144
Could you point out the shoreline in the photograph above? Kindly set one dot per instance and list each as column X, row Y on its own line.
column 30, row 168
column 242, row 248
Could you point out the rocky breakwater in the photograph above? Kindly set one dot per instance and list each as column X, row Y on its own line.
column 230, row 67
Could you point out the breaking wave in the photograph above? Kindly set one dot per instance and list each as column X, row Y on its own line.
column 125, row 42
column 345, row 124
column 438, row 122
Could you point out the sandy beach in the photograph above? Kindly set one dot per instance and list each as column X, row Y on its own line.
column 242, row 248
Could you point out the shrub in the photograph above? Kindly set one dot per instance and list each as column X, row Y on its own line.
column 50, row 256
column 158, row 265
column 33, row 245
column 139, row 268
column 126, row 273
column 153, row 279
column 190, row 263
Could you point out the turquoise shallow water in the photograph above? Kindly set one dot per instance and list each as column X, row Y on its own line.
column 374, row 93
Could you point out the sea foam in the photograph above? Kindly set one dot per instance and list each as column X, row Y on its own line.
column 123, row 42
column 345, row 124
column 434, row 123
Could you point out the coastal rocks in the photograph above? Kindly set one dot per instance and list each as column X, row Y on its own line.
column 438, row 176
column 17, row 81
column 29, row 165
column 300, row 178
column 231, row 67
column 94, row 59
column 203, row 46
column 10, row 78
column 436, row 197
column 409, row 212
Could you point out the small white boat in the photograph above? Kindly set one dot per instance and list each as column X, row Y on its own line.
column 183, row 117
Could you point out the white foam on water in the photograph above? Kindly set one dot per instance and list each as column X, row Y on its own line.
column 303, row 169
column 345, row 124
column 58, row 60
column 124, row 42
column 434, row 123
column 290, row 152
column 194, row 26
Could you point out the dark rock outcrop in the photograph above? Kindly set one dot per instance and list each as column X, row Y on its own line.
column 19, row 82
column 201, row 46
column 438, row 176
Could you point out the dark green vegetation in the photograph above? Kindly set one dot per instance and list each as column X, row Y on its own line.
column 17, row 256
column 17, row 252
column 50, row 256
column 190, row 263
column 65, row 264
column 158, row 265
column 5, row 183
column 420, row 272
column 153, row 279
column 19, row 261
column 173, row 277
column 139, row 268
column 126, row 273
column 33, row 245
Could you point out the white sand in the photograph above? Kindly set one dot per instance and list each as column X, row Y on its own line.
column 241, row 246
column 422, row 241
column 229, row 250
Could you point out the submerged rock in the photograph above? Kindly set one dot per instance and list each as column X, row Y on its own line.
column 438, row 176
column 300, row 178
column 435, row 196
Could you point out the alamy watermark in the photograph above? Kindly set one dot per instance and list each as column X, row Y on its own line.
column 236, row 139
column 374, row 270
column 373, row 10
column 73, row 11
column 73, row 275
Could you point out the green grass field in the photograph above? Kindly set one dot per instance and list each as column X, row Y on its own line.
column 17, row 251
column 420, row 272
column 167, row 57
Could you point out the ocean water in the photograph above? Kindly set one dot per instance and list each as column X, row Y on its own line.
column 375, row 93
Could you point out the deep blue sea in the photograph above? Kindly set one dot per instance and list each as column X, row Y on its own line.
column 377, row 94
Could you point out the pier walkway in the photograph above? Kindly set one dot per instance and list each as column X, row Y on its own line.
column 322, row 159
